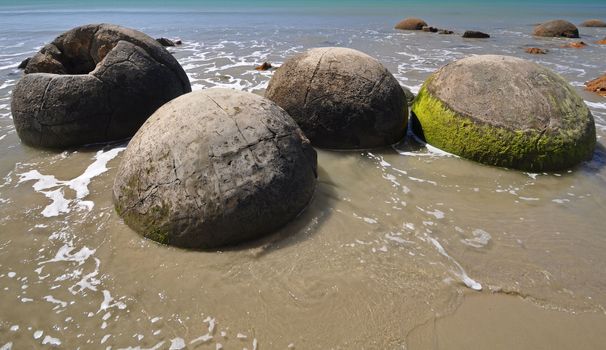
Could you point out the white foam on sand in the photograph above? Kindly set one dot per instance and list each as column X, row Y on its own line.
column 59, row 204
column 480, row 239
column 460, row 272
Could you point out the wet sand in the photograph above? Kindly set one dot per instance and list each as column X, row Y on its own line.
column 497, row 321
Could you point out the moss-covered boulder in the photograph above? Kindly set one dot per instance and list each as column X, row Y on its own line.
column 505, row 111
column 341, row 98
column 213, row 168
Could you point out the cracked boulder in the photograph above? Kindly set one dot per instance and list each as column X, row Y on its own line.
column 212, row 168
column 505, row 111
column 341, row 98
column 94, row 83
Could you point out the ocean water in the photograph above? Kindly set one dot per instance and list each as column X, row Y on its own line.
column 393, row 238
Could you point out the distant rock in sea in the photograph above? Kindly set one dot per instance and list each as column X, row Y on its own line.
column 593, row 23
column 536, row 51
column 601, row 42
column 264, row 66
column 341, row 98
column 575, row 45
column 411, row 23
column 557, row 28
column 475, row 34
column 597, row 85
column 505, row 111
column 215, row 167
column 94, row 83
column 165, row 42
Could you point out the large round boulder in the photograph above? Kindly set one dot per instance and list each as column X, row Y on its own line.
column 341, row 98
column 411, row 23
column 94, row 83
column 505, row 111
column 212, row 168
column 557, row 28
column 594, row 23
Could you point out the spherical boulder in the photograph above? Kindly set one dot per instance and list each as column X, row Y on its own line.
column 94, row 83
column 505, row 111
column 411, row 23
column 341, row 98
column 594, row 23
column 213, row 168
column 557, row 28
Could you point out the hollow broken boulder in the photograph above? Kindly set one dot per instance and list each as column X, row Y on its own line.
column 212, row 168
column 94, row 83
column 341, row 98
column 505, row 111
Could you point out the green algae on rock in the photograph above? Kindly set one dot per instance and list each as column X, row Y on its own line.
column 505, row 111
column 213, row 168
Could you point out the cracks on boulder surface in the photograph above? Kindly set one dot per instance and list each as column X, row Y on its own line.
column 313, row 75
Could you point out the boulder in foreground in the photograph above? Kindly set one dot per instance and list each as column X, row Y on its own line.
column 341, row 98
column 212, row 168
column 411, row 23
column 94, row 83
column 557, row 28
column 505, row 111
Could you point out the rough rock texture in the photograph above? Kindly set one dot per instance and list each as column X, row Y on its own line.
column 601, row 42
column 536, row 51
column 557, row 28
column 411, row 23
column 505, row 111
column 215, row 167
column 94, row 83
column 475, row 35
column 24, row 63
column 593, row 23
column 410, row 97
column 341, row 98
column 597, row 85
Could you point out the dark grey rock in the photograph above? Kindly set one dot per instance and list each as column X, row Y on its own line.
column 165, row 42
column 475, row 34
column 557, row 28
column 94, row 83
column 341, row 98
column 24, row 63
column 215, row 167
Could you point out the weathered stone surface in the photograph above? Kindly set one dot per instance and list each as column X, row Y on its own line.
column 536, row 51
column 557, row 28
column 505, row 111
column 475, row 35
column 411, row 23
column 593, row 23
column 597, row 85
column 264, row 66
column 341, row 98
column 575, row 45
column 24, row 63
column 408, row 95
column 94, row 83
column 213, row 168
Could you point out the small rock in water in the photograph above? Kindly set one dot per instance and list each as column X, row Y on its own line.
column 593, row 23
column 165, row 42
column 430, row 29
column 24, row 63
column 264, row 66
column 445, row 31
column 411, row 23
column 475, row 34
column 597, row 85
column 575, row 45
column 536, row 51
column 601, row 42
column 178, row 42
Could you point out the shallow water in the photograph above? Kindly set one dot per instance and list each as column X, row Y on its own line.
column 392, row 238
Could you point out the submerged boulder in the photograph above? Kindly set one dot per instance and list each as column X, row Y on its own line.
column 341, row 98
column 597, row 85
column 505, row 111
column 94, row 83
column 475, row 35
column 411, row 23
column 165, row 42
column 593, row 23
column 536, row 51
column 213, row 168
column 557, row 28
